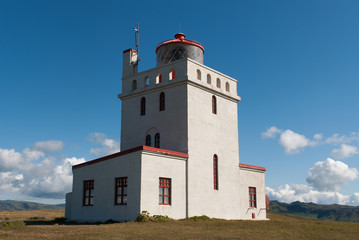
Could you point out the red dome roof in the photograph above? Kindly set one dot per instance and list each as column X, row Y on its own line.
column 180, row 38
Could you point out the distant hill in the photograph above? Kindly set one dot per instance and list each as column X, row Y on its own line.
column 11, row 205
column 314, row 211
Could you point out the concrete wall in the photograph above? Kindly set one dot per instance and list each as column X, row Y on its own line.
column 104, row 174
column 252, row 178
column 171, row 123
column 155, row 166
column 210, row 134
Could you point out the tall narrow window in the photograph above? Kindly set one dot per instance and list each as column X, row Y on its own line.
column 214, row 105
column 199, row 77
column 157, row 140
column 227, row 86
column 208, row 79
column 88, row 194
column 143, row 106
column 159, row 78
column 134, row 85
column 147, row 81
column 121, row 191
column 215, row 172
column 162, row 101
column 218, row 83
column 252, row 197
column 165, row 191
column 148, row 140
column 172, row 75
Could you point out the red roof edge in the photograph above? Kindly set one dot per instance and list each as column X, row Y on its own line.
column 130, row 49
column 139, row 148
column 252, row 167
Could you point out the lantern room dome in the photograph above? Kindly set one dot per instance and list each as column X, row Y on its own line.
column 178, row 48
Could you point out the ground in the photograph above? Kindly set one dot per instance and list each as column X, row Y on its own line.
column 48, row 224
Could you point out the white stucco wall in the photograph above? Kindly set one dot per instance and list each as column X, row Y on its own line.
column 104, row 174
column 155, row 166
column 252, row 178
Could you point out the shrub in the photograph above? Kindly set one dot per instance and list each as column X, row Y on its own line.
column 199, row 218
column 143, row 216
column 12, row 224
column 162, row 218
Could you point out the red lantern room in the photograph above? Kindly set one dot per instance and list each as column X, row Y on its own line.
column 178, row 48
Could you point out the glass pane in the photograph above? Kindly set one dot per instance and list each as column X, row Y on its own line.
column 167, row 200
column 91, row 201
column 118, row 199
column 125, row 190
column 124, row 199
column 161, row 191
column 167, row 192
column 160, row 199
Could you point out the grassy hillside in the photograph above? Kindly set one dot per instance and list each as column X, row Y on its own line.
column 11, row 205
column 317, row 212
column 45, row 224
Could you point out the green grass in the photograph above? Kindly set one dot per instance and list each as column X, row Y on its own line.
column 278, row 228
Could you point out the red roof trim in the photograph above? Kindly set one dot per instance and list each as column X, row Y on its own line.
column 129, row 50
column 140, row 148
column 252, row 167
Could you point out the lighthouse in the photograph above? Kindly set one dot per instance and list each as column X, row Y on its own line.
column 179, row 146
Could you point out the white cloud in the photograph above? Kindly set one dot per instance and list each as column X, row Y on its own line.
column 109, row 146
column 9, row 159
column 48, row 146
column 271, row 132
column 330, row 175
column 304, row 193
column 293, row 142
column 57, row 183
column 344, row 151
column 336, row 138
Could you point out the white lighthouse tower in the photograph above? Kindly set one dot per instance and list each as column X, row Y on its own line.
column 179, row 146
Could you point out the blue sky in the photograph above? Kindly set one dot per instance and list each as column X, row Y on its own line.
column 296, row 63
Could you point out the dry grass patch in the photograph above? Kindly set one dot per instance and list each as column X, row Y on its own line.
column 279, row 227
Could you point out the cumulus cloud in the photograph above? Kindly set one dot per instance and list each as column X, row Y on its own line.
column 304, row 193
column 330, row 175
column 271, row 132
column 344, row 151
column 48, row 146
column 336, row 138
column 109, row 146
column 293, row 142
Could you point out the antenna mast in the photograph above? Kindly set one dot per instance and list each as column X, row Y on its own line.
column 137, row 41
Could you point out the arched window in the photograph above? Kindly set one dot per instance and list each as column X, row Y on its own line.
column 215, row 172
column 214, row 105
column 159, row 78
column 134, row 85
column 227, row 86
column 147, row 81
column 199, row 74
column 162, row 101
column 208, row 79
column 172, row 75
column 148, row 140
column 143, row 106
column 157, row 140
column 218, row 83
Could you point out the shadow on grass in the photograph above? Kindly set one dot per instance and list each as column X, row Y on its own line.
column 61, row 221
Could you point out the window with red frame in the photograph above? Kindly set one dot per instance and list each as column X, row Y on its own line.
column 172, row 75
column 165, row 191
column 88, row 193
column 214, row 105
column 252, row 197
column 215, row 172
column 121, row 191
